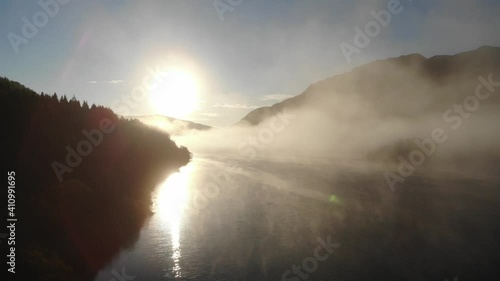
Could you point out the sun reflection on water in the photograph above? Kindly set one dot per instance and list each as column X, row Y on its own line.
column 169, row 203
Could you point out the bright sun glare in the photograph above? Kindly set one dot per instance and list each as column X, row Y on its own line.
column 169, row 203
column 175, row 95
column 171, row 196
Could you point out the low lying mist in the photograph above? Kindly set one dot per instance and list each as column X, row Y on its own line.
column 378, row 113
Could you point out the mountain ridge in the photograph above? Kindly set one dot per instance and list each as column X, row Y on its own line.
column 438, row 69
column 196, row 125
column 173, row 126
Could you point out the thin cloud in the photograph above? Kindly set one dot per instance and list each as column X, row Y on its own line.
column 210, row 114
column 275, row 97
column 235, row 106
column 116, row 81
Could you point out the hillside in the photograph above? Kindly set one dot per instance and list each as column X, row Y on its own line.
column 83, row 180
column 398, row 87
column 173, row 126
column 380, row 111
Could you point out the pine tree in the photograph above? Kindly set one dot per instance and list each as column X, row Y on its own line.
column 85, row 105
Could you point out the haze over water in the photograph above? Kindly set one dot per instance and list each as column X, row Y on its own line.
column 268, row 215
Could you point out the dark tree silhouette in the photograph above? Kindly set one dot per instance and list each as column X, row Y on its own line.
column 73, row 228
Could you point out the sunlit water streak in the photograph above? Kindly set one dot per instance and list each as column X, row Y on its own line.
column 247, row 231
column 169, row 203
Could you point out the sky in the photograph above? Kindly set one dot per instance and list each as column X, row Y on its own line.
column 240, row 54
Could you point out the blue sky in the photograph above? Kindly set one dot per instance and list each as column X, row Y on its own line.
column 261, row 52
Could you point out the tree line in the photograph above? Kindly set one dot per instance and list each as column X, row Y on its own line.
column 73, row 228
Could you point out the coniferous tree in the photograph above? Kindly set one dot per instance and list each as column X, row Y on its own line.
column 85, row 105
column 64, row 99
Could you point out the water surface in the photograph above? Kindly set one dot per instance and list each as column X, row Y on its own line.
column 230, row 219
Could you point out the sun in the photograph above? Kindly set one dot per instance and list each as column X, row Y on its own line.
column 175, row 95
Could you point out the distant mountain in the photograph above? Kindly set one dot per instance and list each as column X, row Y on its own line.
column 382, row 110
column 405, row 86
column 172, row 125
